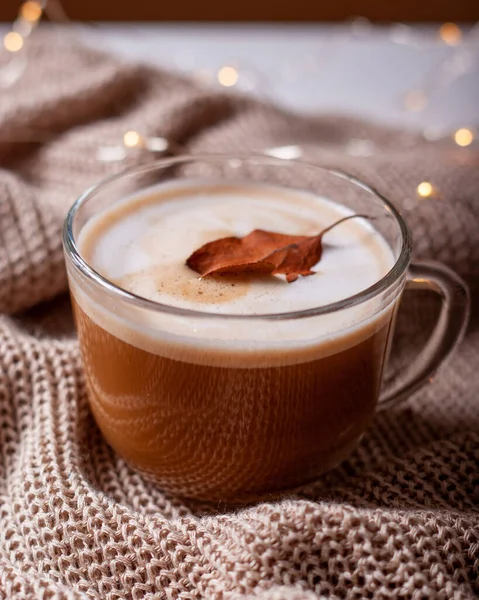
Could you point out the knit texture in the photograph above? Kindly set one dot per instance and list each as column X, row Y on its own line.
column 399, row 519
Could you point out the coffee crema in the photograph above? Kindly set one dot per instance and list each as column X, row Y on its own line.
column 230, row 408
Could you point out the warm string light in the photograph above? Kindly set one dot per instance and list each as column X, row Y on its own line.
column 26, row 22
column 227, row 76
column 28, row 17
column 132, row 139
column 450, row 34
column 356, row 147
column 31, row 11
column 425, row 189
column 13, row 41
column 134, row 143
column 457, row 63
column 463, row 137
column 414, row 100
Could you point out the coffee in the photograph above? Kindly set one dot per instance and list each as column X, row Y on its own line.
column 230, row 408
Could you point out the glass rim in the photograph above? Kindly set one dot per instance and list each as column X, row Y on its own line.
column 383, row 284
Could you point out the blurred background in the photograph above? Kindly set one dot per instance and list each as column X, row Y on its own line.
column 410, row 63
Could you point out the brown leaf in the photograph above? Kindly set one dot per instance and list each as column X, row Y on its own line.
column 261, row 251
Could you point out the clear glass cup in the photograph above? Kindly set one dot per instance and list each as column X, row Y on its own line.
column 206, row 424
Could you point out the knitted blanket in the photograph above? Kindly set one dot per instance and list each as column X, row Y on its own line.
column 399, row 519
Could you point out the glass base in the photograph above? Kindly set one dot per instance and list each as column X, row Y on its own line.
column 244, row 498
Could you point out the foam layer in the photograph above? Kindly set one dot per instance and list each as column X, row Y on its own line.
column 141, row 244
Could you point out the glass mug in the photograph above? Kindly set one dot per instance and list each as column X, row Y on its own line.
column 206, row 424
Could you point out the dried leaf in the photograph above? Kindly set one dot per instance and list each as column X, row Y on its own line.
column 264, row 252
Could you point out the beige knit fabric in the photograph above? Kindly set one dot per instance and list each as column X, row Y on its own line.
column 398, row 520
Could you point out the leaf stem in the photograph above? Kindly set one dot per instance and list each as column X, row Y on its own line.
column 345, row 219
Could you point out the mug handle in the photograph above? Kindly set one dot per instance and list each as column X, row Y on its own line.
column 447, row 334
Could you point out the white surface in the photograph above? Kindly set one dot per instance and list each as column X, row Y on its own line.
column 312, row 68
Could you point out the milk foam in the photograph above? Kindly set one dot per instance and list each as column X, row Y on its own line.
column 141, row 243
column 144, row 248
